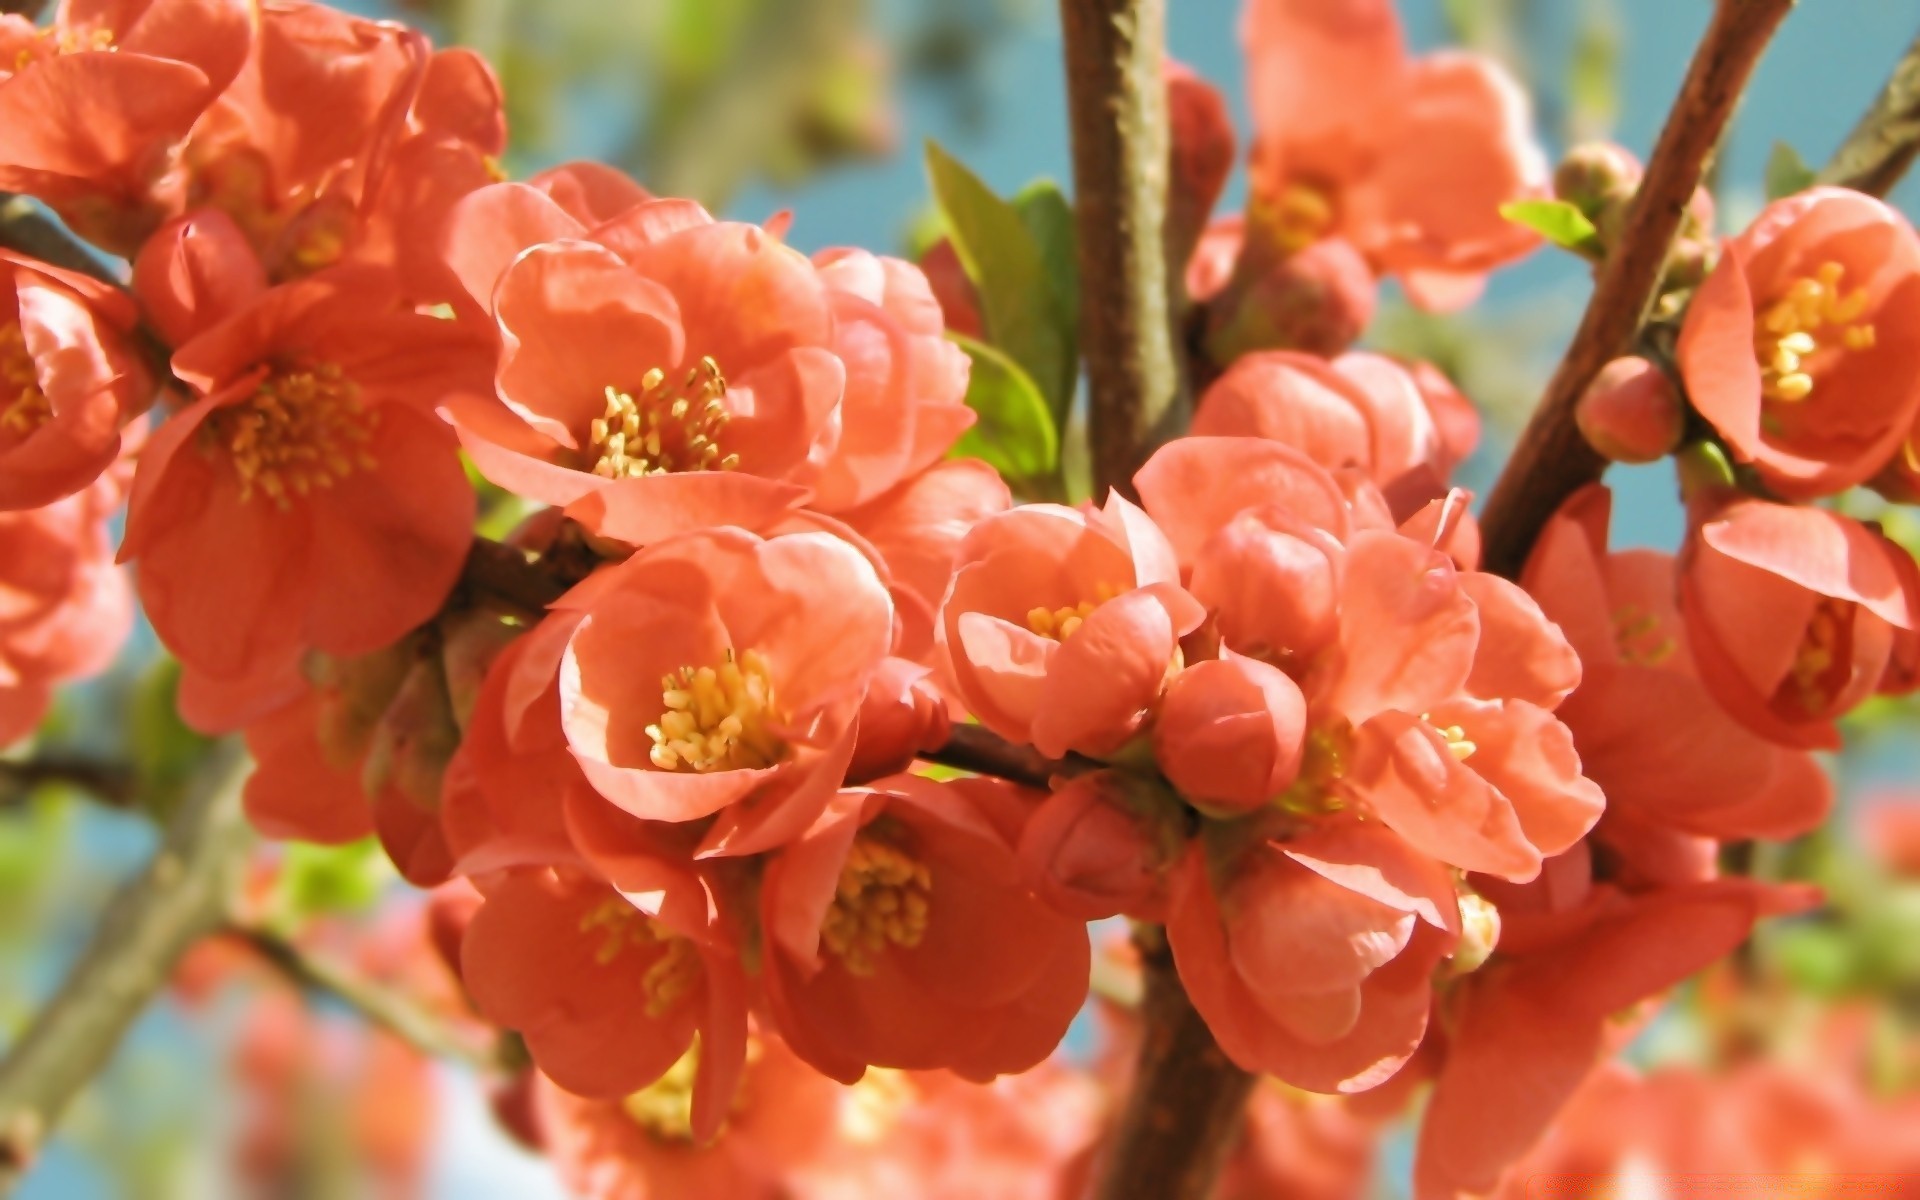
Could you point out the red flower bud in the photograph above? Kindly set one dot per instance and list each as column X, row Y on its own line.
column 1099, row 846
column 1230, row 733
column 1318, row 299
column 1631, row 412
column 194, row 272
column 902, row 714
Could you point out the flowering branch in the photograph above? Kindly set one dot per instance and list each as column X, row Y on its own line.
column 385, row 1007
column 109, row 783
column 1882, row 146
column 1552, row 459
column 1118, row 107
column 180, row 897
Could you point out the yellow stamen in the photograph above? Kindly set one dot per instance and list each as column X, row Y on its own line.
column 1059, row 623
column 1316, row 791
column 23, row 406
column 663, row 429
column 716, row 718
column 664, row 1108
column 1818, row 653
column 1636, row 636
column 1298, row 217
column 1815, row 318
column 881, row 900
column 1457, row 743
column 304, row 429
column 671, row 975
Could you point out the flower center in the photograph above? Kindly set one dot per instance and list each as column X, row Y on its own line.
column 63, row 39
column 1815, row 316
column 1812, row 676
column 1059, row 623
column 676, row 965
column 1323, row 764
column 1458, row 744
column 664, row 1108
column 1297, row 217
column 663, row 429
column 716, row 718
column 1636, row 636
column 881, row 901
column 303, row 429
column 23, row 406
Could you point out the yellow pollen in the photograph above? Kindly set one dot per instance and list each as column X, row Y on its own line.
column 303, row 430
column 1814, row 316
column 1819, row 651
column 664, row 429
column 664, row 1108
column 1635, row 631
column 1059, row 623
column 23, row 406
column 1298, row 217
column 716, row 718
column 1457, row 743
column 1323, row 764
column 881, row 900
column 671, row 975
column 58, row 40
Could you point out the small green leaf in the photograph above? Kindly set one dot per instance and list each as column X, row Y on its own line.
column 1014, row 433
column 1556, row 220
column 1787, row 172
column 1010, row 268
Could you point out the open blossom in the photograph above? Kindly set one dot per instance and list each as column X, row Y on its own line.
column 899, row 932
column 1793, row 347
column 1062, row 625
column 70, row 380
column 719, row 674
column 92, row 107
column 1791, row 614
column 1649, row 731
column 1408, row 159
column 307, row 497
column 65, row 609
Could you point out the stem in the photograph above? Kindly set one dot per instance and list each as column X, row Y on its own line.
column 180, row 897
column 1184, row 1107
column 26, row 231
column 973, row 748
column 1117, row 102
column 391, row 1010
column 506, row 578
column 1882, row 146
column 109, row 783
column 1552, row 460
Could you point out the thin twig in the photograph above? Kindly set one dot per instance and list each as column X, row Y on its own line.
column 23, row 229
column 506, row 578
column 1117, row 102
column 109, row 783
column 391, row 1010
column 1552, row 460
column 1882, row 146
column 983, row 752
column 181, row 896
column 30, row 9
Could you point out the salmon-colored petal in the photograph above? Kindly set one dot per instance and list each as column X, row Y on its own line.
column 1408, row 628
column 489, row 228
column 1408, row 776
column 1105, row 677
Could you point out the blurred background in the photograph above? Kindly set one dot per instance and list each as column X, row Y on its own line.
column 822, row 107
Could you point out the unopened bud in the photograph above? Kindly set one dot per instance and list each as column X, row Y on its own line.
column 1231, row 733
column 352, row 694
column 1479, row 934
column 1631, row 412
column 194, row 272
column 470, row 641
column 1099, row 846
column 1597, row 176
column 1318, row 299
column 901, row 715
column 414, row 740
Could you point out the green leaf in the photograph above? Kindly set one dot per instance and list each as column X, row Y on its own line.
column 1015, row 433
column 1010, row 269
column 1787, row 172
column 1556, row 220
column 1049, row 218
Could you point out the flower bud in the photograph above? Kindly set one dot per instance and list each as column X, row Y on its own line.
column 352, row 694
column 1274, row 590
column 1631, row 412
column 1479, row 934
column 414, row 740
column 959, row 300
column 1099, row 846
column 902, row 714
column 1318, row 299
column 1231, row 733
column 1200, row 160
column 195, row 271
column 1594, row 175
column 470, row 641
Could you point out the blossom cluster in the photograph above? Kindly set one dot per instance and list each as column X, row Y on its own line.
column 1404, row 821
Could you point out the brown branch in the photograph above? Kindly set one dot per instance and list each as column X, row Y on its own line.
column 507, row 578
column 391, row 1010
column 1552, row 460
column 1882, row 146
column 181, row 896
column 109, row 783
column 1118, row 105
column 24, row 230
column 1184, row 1108
column 30, row 9
column 983, row 752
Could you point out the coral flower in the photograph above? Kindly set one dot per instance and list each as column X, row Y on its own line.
column 899, row 933
column 65, row 609
column 1648, row 730
column 1793, row 347
column 1062, row 626
column 918, row 527
column 1310, row 957
column 1407, row 159
column 642, row 1146
column 661, row 372
column 91, row 107
column 70, row 380
column 1790, row 614
column 307, row 497
column 719, row 673
column 608, row 997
